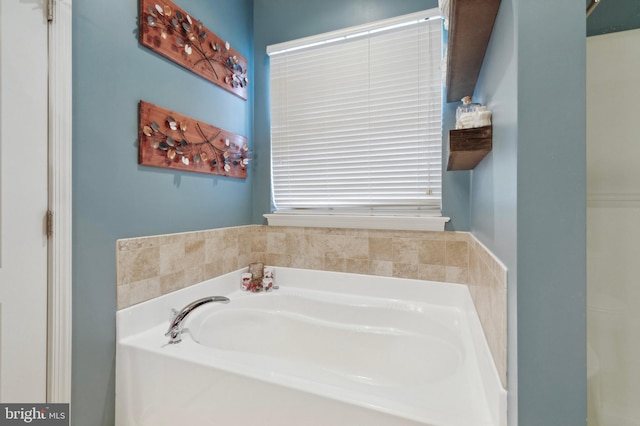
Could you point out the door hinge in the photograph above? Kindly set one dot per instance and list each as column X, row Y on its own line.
column 49, row 223
column 49, row 6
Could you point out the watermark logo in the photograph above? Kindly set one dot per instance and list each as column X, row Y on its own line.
column 34, row 414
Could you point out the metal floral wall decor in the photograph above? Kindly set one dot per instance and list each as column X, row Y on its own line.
column 173, row 33
column 171, row 140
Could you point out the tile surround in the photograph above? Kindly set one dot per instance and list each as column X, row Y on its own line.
column 487, row 282
column 148, row 267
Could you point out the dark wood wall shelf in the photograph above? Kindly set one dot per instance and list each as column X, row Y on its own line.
column 467, row 147
column 470, row 26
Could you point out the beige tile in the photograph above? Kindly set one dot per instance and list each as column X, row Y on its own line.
column 277, row 243
column 172, row 282
column 316, row 245
column 283, row 260
column 500, row 271
column 229, row 243
column 380, row 233
column 405, row 270
column 381, row 249
column 457, row 254
column 473, row 267
column 431, row 252
column 335, row 231
column 381, row 268
column 172, row 258
column 144, row 290
column 122, row 295
column 230, row 246
column 230, row 235
column 483, row 255
column 257, row 229
column 302, row 245
column 482, row 301
column 490, row 261
column 315, row 231
column 405, row 244
column 502, row 278
column 360, row 233
column 287, row 229
column 484, row 277
column 213, row 250
column 195, row 236
column 457, row 236
column 171, row 239
column 473, row 291
column 433, row 235
column 136, row 243
column 432, row 272
column 496, row 332
column 120, row 267
column 457, row 275
column 257, row 257
column 405, row 250
column 194, row 253
column 487, row 279
column 214, row 269
column 230, row 264
column 245, row 259
column 405, row 234
column 259, row 242
column 231, row 253
column 138, row 265
column 194, row 275
column 336, row 264
column 356, row 247
column 335, row 245
column 307, row 262
column 357, row 266
column 245, row 240
column 209, row 233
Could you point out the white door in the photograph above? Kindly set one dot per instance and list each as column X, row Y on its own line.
column 613, row 228
column 23, row 201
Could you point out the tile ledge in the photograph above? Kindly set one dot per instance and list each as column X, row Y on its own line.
column 400, row 223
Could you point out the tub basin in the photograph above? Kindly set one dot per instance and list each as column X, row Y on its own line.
column 325, row 349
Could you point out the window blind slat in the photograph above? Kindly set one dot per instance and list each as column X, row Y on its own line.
column 357, row 123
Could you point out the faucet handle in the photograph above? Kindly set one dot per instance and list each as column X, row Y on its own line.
column 174, row 314
column 175, row 327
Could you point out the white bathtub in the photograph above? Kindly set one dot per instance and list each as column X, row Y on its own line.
column 325, row 349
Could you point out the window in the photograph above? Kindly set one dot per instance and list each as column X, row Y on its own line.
column 356, row 119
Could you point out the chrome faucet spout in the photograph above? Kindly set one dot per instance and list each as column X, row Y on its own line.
column 175, row 327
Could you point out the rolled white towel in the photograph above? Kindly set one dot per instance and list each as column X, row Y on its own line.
column 484, row 118
column 470, row 120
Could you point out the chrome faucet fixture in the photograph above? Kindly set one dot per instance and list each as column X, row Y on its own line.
column 175, row 327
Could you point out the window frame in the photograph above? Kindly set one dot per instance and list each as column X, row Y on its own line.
column 423, row 218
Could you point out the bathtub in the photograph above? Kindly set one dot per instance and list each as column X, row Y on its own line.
column 324, row 349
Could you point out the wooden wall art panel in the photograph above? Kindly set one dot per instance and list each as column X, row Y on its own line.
column 174, row 141
column 173, row 33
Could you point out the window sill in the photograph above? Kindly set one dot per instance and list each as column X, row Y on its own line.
column 403, row 223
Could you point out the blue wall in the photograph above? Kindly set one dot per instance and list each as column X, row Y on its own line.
column 115, row 198
column 277, row 21
column 551, row 281
column 528, row 203
column 614, row 16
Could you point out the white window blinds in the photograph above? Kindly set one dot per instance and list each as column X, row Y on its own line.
column 356, row 120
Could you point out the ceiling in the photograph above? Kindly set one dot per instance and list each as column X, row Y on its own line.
column 612, row 16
